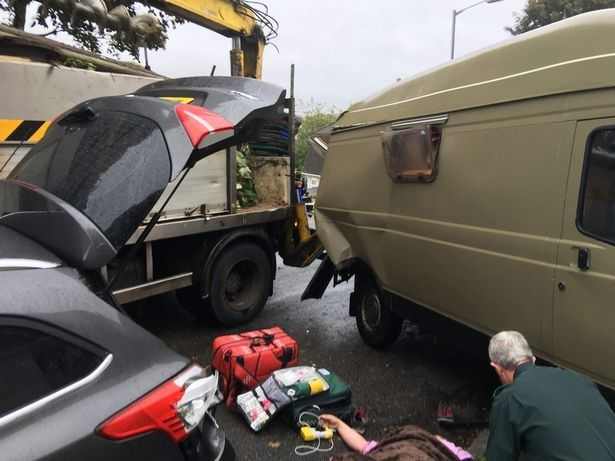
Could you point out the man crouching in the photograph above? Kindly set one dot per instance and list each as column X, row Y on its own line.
column 544, row 412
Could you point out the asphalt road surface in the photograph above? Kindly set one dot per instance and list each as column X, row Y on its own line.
column 401, row 385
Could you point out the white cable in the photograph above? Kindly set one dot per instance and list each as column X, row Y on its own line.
column 303, row 450
column 309, row 413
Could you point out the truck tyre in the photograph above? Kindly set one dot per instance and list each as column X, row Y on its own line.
column 240, row 283
column 378, row 325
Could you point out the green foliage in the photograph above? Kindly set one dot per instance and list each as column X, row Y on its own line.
column 246, row 194
column 86, row 33
column 314, row 117
column 538, row 13
column 79, row 64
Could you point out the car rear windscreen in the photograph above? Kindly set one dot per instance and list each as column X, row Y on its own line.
column 112, row 166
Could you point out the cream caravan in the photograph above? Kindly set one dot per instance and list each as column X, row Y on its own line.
column 484, row 191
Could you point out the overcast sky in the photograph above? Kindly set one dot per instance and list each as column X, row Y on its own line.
column 345, row 50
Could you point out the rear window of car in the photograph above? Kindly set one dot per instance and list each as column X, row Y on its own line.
column 112, row 166
column 36, row 363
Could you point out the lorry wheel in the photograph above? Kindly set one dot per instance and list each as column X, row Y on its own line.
column 378, row 325
column 240, row 283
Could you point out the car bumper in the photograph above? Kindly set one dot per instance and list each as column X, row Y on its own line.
column 209, row 443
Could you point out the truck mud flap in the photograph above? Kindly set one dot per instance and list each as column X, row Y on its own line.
column 320, row 281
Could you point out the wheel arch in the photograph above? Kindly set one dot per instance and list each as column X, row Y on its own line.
column 371, row 305
column 362, row 271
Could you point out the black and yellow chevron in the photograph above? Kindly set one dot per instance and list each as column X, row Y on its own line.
column 22, row 130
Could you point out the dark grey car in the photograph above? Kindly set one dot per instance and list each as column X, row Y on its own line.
column 79, row 379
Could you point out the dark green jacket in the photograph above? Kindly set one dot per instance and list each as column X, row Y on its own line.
column 550, row 414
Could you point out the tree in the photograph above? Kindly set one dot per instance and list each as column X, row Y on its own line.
column 538, row 13
column 97, row 25
column 314, row 116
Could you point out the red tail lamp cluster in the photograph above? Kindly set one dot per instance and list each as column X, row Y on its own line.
column 175, row 407
column 200, row 122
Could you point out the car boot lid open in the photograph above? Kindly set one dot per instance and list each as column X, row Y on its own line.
column 84, row 189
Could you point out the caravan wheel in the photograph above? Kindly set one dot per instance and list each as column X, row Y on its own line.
column 378, row 325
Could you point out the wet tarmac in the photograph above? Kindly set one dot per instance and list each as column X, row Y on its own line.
column 401, row 385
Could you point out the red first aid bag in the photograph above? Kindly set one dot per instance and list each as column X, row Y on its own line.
column 246, row 359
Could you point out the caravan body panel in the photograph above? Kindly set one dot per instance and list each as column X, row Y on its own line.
column 491, row 234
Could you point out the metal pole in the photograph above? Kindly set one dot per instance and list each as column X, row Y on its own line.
column 236, row 58
column 291, row 136
column 453, row 35
column 147, row 67
column 231, row 179
column 458, row 12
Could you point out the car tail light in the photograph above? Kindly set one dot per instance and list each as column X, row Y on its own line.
column 175, row 407
column 200, row 122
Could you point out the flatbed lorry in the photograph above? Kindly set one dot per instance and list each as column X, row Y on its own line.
column 218, row 258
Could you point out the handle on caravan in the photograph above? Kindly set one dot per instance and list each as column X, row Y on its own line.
column 583, row 259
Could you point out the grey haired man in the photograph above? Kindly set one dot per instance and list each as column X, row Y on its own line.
column 547, row 413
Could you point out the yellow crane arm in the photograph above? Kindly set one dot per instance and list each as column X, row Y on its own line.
column 223, row 16
column 231, row 19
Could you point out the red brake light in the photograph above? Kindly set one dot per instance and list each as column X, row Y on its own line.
column 176, row 407
column 200, row 122
column 155, row 411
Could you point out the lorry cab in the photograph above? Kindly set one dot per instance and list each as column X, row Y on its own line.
column 484, row 191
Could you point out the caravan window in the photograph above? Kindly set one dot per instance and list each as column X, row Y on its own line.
column 597, row 213
column 410, row 154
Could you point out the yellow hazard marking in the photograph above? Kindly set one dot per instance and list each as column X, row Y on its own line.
column 38, row 134
column 178, row 99
column 5, row 58
column 7, row 127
